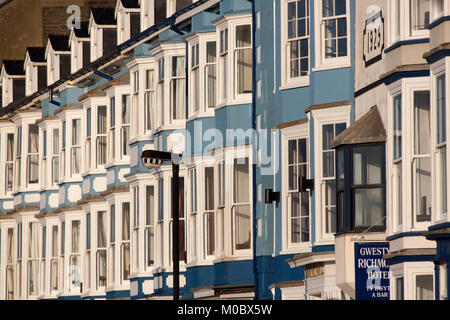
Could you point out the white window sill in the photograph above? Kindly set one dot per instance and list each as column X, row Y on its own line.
column 300, row 248
column 332, row 65
column 232, row 258
column 325, row 241
column 298, row 83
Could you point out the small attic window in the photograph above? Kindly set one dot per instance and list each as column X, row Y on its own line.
column 18, row 89
column 135, row 24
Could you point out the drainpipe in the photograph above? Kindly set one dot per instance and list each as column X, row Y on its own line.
column 254, row 142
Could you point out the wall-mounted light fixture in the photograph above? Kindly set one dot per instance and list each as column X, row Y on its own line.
column 272, row 196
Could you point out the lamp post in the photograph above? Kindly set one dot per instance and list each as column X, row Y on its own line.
column 153, row 159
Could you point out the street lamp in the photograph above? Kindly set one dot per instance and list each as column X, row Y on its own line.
column 153, row 159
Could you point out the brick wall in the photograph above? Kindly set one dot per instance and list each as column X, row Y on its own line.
column 29, row 22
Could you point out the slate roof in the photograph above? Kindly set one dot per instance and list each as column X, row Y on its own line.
column 104, row 16
column 37, row 54
column 59, row 43
column 83, row 32
column 369, row 128
column 14, row 67
column 130, row 4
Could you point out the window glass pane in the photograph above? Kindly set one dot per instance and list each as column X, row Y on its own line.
column 368, row 207
column 75, row 236
column 209, row 188
column 101, row 229
column 330, row 206
column 33, row 139
column 422, row 170
column 340, row 166
column 211, row 52
column 399, row 289
column 150, row 212
column 441, row 112
column 88, row 125
column 113, row 223
column 367, row 162
column 420, row 14
column 397, row 127
column 242, row 225
column 126, row 109
column 126, row 221
column 241, row 180
column 424, row 287
column 422, row 129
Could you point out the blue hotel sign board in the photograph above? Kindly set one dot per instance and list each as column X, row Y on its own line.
column 371, row 271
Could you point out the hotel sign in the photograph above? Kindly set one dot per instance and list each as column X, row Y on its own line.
column 371, row 271
column 373, row 35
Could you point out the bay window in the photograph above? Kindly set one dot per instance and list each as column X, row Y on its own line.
column 209, row 216
column 55, row 157
column 195, row 78
column 329, row 132
column 441, row 143
column 150, row 226
column 178, row 89
column 33, row 154
column 368, row 187
column 54, row 272
column 298, row 31
column 241, row 214
column 223, row 61
column 334, row 26
column 210, row 75
column 112, row 128
column 33, row 259
column 125, row 243
column 421, row 160
column 75, row 149
column 193, row 213
column 74, row 258
column 149, row 96
column 101, row 144
column 125, row 126
column 363, row 171
column 101, row 250
column 10, row 267
column 298, row 201
column 9, row 164
column 243, row 59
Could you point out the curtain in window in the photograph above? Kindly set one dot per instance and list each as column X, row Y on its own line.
column 101, row 229
column 241, row 212
column 10, row 252
column 75, row 236
column 126, row 221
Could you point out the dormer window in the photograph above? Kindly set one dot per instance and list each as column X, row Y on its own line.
column 58, row 57
column 152, row 12
column 103, row 32
column 128, row 20
column 13, row 81
column 80, row 47
column 36, row 70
